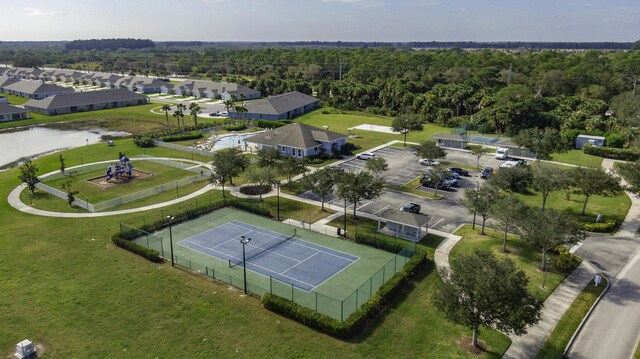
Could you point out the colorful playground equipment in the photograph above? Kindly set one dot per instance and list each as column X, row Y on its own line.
column 122, row 169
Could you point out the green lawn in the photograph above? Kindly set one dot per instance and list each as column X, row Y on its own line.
column 559, row 338
column 615, row 208
column 67, row 287
column 13, row 99
column 526, row 258
column 411, row 186
column 579, row 158
column 341, row 122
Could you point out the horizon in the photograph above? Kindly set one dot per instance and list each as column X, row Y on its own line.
column 401, row 21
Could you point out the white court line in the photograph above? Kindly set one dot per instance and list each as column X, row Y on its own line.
column 382, row 209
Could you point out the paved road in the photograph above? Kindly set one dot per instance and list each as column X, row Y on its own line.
column 613, row 329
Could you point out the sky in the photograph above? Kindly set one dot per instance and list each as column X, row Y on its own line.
column 322, row 20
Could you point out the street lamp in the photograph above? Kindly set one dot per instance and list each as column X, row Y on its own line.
column 345, row 216
column 170, row 219
column 546, row 270
column 278, row 198
column 475, row 206
column 244, row 240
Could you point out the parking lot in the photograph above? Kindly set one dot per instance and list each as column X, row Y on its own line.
column 446, row 214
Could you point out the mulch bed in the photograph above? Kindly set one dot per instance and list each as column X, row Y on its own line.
column 255, row 190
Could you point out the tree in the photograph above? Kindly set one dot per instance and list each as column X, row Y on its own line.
column 71, row 194
column 542, row 143
column 548, row 228
column 166, row 108
column 478, row 151
column 595, row 181
column 241, row 110
column 228, row 104
column 29, row 175
column 436, row 174
column 430, row 150
column 291, row 167
column 268, row 157
column 508, row 210
column 481, row 289
column 321, row 182
column 516, row 179
column 405, row 124
column 176, row 115
column 194, row 109
column 228, row 163
column 630, row 172
column 262, row 176
column 356, row 187
column 62, row 167
column 377, row 166
column 547, row 179
column 479, row 201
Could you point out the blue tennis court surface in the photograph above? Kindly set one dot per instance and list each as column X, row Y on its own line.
column 280, row 256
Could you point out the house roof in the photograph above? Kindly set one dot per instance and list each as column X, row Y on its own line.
column 280, row 104
column 23, row 70
column 6, row 109
column 84, row 98
column 216, row 87
column 448, row 136
column 36, row 86
column 415, row 220
column 589, row 137
column 149, row 81
column 6, row 81
column 296, row 135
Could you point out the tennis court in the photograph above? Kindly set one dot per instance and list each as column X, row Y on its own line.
column 485, row 140
column 272, row 254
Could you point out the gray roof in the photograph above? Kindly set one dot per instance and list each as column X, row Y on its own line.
column 24, row 70
column 6, row 81
column 280, row 104
column 37, row 86
column 448, row 136
column 296, row 135
column 8, row 109
column 216, row 87
column 84, row 98
column 149, row 81
column 410, row 219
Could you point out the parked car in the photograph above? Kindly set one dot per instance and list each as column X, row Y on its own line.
column 214, row 114
column 411, row 208
column 452, row 181
column 224, row 114
column 458, row 170
column 365, row 156
column 502, row 153
column 428, row 162
column 428, row 182
column 516, row 163
column 486, row 172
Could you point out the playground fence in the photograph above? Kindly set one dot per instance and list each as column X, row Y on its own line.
column 77, row 202
column 185, row 165
column 183, row 148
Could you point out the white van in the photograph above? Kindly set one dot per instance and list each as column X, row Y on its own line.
column 502, row 153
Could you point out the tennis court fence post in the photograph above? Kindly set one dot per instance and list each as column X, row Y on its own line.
column 342, row 311
column 316, row 301
column 270, row 285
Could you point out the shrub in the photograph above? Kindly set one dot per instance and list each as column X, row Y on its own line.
column 600, row 227
column 348, row 148
column 318, row 159
column 615, row 140
column 193, row 135
column 566, row 260
column 235, row 127
column 361, row 317
column 381, row 243
column 609, row 152
column 131, row 246
column 143, row 141
column 271, row 124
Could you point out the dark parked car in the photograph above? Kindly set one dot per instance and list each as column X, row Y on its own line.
column 458, row 170
column 442, row 184
column 411, row 207
column 486, row 172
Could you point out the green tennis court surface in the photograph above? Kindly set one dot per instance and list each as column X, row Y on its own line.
column 336, row 287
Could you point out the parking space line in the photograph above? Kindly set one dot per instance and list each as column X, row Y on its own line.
column 435, row 224
column 382, row 209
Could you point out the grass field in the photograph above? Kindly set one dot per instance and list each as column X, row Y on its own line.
column 615, row 208
column 525, row 257
column 67, row 287
column 559, row 338
column 13, row 99
column 577, row 157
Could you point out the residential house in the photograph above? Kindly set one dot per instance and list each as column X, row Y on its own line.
column 212, row 89
column 147, row 85
column 35, row 89
column 23, row 73
column 298, row 140
column 6, row 81
column 12, row 113
column 86, row 101
column 278, row 107
column 105, row 80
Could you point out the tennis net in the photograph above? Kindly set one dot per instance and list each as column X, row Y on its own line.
column 262, row 242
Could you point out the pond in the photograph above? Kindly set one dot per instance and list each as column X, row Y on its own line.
column 40, row 140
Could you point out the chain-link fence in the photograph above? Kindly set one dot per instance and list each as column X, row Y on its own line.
column 338, row 308
column 195, row 151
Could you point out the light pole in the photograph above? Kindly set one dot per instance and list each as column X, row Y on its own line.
column 546, row 270
column 475, row 206
column 170, row 219
column 278, row 198
column 345, row 216
column 244, row 240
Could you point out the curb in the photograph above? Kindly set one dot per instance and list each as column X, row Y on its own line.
column 586, row 317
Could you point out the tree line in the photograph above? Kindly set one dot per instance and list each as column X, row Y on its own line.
column 106, row 44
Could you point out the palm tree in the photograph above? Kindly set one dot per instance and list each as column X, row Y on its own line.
column 228, row 104
column 166, row 108
column 241, row 110
column 181, row 108
column 194, row 109
column 176, row 115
